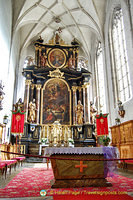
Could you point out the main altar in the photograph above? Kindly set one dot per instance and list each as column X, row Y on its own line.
column 56, row 100
column 81, row 166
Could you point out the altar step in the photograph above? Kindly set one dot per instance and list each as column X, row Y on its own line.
column 34, row 160
column 33, row 149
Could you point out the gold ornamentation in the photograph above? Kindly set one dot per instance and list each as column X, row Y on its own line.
column 27, row 82
column 79, row 89
column 36, row 47
column 79, row 77
column 56, row 74
column 32, row 86
column 38, row 86
column 85, row 85
column 74, row 88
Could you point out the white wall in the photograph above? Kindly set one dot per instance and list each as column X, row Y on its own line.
column 128, row 106
column 5, row 43
column 9, row 57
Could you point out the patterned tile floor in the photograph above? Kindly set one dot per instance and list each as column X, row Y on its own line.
column 4, row 182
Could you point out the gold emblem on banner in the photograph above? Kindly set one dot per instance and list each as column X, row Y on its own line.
column 18, row 117
column 101, row 120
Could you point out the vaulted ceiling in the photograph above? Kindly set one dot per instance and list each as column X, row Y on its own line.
column 80, row 19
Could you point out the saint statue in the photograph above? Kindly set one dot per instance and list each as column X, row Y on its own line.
column 19, row 105
column 79, row 113
column 70, row 61
column 93, row 112
column 30, row 61
column 32, row 109
column 43, row 59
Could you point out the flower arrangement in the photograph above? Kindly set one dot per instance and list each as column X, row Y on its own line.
column 106, row 140
column 43, row 140
column 117, row 121
column 71, row 140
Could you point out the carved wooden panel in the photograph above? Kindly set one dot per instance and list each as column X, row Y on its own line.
column 122, row 137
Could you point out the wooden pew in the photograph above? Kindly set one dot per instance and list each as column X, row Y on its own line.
column 5, row 159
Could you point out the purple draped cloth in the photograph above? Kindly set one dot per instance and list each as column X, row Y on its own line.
column 110, row 167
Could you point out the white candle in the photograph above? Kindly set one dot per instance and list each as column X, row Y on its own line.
column 51, row 137
column 66, row 136
column 58, row 137
column 47, row 132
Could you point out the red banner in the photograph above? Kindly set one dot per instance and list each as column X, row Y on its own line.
column 102, row 124
column 17, row 125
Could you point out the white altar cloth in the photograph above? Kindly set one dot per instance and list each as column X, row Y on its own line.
column 112, row 152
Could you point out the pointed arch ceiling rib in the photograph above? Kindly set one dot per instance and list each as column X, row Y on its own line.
column 80, row 19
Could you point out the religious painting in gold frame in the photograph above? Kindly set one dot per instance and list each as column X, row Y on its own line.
column 57, row 58
column 56, row 102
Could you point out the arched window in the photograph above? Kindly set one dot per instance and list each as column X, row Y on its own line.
column 121, row 78
column 100, row 85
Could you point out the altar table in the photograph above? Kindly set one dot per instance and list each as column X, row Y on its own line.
column 79, row 173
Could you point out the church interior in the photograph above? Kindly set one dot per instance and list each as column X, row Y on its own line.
column 66, row 98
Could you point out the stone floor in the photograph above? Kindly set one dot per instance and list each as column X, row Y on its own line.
column 4, row 182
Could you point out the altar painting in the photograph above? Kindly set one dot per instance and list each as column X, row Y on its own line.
column 56, row 102
column 57, row 58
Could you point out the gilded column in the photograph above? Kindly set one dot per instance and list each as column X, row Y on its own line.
column 38, row 87
column 31, row 92
column 86, row 103
column 74, row 89
column 26, row 97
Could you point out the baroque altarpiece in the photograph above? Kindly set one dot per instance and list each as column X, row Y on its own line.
column 56, row 88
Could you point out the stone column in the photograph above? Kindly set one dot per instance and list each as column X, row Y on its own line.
column 38, row 87
column 74, row 88
column 86, row 103
column 26, row 97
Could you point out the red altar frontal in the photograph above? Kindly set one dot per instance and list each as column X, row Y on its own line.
column 71, row 167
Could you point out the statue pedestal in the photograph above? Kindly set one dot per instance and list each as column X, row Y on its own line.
column 83, row 135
